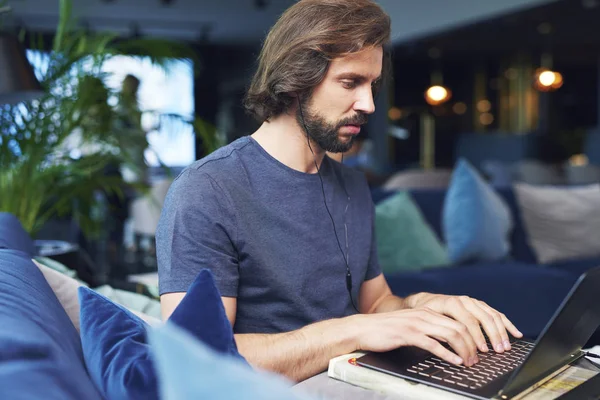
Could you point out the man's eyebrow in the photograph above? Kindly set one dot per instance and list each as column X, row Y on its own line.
column 356, row 76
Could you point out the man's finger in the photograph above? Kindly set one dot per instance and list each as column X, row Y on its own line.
column 503, row 322
column 460, row 313
column 434, row 326
column 462, row 320
column 435, row 348
column 488, row 323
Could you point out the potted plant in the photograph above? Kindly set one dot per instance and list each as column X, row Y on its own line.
column 40, row 179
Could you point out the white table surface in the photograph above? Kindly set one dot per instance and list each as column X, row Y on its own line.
column 324, row 387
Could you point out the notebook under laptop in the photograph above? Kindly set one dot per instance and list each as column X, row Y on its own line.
column 511, row 374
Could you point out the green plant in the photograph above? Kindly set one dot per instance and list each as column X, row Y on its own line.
column 39, row 177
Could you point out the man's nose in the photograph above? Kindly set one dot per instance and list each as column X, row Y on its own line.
column 365, row 102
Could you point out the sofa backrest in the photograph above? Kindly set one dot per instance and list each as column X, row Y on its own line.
column 592, row 147
column 431, row 203
column 13, row 236
column 506, row 147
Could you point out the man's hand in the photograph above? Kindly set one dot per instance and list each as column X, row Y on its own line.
column 471, row 313
column 423, row 328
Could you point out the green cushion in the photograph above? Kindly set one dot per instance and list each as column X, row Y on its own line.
column 405, row 241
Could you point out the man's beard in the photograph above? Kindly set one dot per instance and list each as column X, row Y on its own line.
column 323, row 133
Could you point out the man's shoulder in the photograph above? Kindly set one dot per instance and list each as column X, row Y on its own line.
column 220, row 165
column 222, row 158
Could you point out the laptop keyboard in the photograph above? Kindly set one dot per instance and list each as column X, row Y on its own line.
column 491, row 365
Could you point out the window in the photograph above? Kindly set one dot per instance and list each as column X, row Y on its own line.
column 163, row 93
column 160, row 92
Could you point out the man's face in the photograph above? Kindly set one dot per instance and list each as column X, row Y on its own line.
column 339, row 105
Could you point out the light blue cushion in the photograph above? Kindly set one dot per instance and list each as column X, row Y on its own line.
column 188, row 369
column 476, row 221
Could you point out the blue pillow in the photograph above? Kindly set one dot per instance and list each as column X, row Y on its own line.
column 115, row 343
column 40, row 349
column 188, row 369
column 476, row 221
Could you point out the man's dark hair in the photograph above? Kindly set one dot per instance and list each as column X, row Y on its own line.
column 298, row 49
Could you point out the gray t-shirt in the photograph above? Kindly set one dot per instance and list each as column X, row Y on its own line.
column 263, row 230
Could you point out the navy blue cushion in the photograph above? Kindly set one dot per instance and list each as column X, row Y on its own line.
column 115, row 343
column 520, row 249
column 527, row 294
column 40, row 350
column 13, row 236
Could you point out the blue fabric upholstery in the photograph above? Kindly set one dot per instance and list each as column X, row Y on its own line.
column 527, row 294
column 188, row 369
column 575, row 267
column 13, row 236
column 115, row 344
column 519, row 244
column 476, row 221
column 40, row 350
column 202, row 312
column 592, row 147
column 508, row 148
column 115, row 349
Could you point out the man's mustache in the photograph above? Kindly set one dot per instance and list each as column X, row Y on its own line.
column 359, row 119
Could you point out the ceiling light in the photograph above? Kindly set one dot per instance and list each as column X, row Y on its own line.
column 437, row 95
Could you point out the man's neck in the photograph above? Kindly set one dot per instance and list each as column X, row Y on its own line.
column 285, row 140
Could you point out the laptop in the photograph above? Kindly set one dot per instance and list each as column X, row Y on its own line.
column 514, row 373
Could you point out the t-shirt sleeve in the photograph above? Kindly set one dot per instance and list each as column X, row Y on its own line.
column 373, row 269
column 196, row 230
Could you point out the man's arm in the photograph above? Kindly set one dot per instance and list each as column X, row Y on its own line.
column 303, row 353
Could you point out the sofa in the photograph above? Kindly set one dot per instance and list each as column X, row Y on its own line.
column 527, row 292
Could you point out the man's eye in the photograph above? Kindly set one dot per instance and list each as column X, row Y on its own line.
column 349, row 84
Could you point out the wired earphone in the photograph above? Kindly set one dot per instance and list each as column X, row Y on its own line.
column 344, row 256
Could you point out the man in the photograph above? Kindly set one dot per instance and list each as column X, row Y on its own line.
column 288, row 232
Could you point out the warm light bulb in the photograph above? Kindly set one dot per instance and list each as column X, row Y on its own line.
column 395, row 114
column 579, row 160
column 460, row 108
column 486, row 119
column 484, row 106
column 437, row 95
column 547, row 78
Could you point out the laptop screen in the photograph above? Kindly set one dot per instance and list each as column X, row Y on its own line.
column 566, row 333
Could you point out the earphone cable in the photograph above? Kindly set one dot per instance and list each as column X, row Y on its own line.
column 344, row 256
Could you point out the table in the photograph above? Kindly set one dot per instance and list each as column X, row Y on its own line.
column 328, row 388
